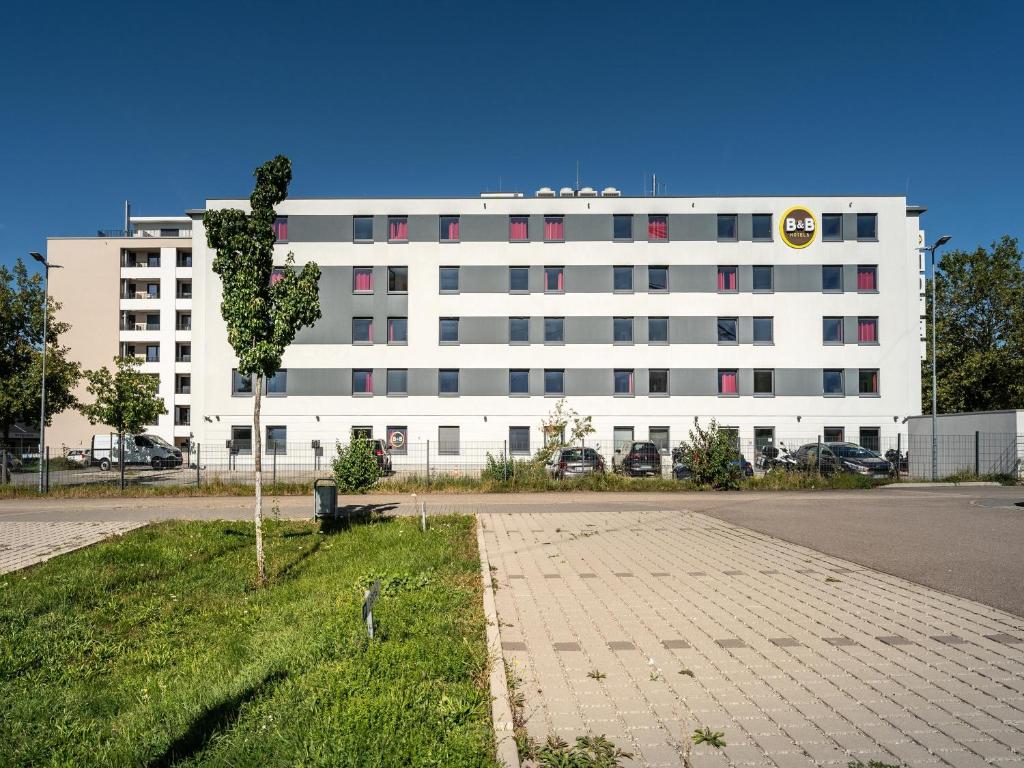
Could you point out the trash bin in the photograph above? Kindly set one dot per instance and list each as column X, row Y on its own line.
column 325, row 498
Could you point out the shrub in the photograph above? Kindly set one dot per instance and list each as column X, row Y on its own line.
column 355, row 467
column 711, row 456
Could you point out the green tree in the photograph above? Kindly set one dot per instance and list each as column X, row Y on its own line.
column 125, row 400
column 263, row 308
column 711, row 456
column 980, row 321
column 554, row 425
column 355, row 466
column 21, row 342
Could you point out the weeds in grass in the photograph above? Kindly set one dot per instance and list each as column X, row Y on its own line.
column 872, row 764
column 687, row 672
column 596, row 674
column 831, row 580
column 588, row 752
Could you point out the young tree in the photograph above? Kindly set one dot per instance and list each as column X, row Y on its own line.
column 262, row 308
column 125, row 400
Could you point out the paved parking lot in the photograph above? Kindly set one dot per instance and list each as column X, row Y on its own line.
column 26, row 543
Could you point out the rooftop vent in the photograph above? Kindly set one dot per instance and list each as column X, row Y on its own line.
column 500, row 195
column 566, row 192
column 610, row 192
column 588, row 192
column 545, row 192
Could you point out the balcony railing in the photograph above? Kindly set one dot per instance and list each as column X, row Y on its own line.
column 181, row 232
column 139, row 295
column 183, row 389
column 126, row 326
column 184, row 358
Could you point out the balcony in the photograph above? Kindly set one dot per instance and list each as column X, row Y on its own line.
column 184, row 231
column 130, row 325
column 127, row 293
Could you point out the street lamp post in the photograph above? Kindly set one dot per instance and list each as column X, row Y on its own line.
column 935, row 399
column 42, row 401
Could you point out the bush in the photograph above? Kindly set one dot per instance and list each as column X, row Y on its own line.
column 355, row 467
column 505, row 469
column 711, row 456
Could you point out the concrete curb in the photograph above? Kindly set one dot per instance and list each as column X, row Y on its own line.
column 927, row 484
column 501, row 710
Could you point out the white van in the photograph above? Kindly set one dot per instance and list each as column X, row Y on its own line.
column 138, row 449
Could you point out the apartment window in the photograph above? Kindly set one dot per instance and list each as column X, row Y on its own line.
column 398, row 279
column 518, row 229
column 398, row 229
column 622, row 279
column 449, row 229
column 622, row 226
column 832, row 278
column 276, row 276
column 728, row 382
column 153, row 353
column 362, row 330
column 152, row 322
column 727, row 330
column 659, row 436
column 657, row 228
column 867, row 330
column 834, row 435
column 519, row 330
column 763, row 278
column 657, row 279
column 554, row 279
column 448, row 382
column 867, row 226
column 449, row 279
column 153, row 290
column 182, row 415
column 448, row 441
column 170, row 232
column 832, row 330
column 519, row 440
column 519, row 279
column 622, row 330
column 277, row 385
column 398, row 330
column 184, row 258
column 362, row 382
column 762, row 226
column 362, row 229
column 361, row 433
column 241, row 440
column 832, row 382
column 554, row 330
column 727, row 280
column 240, row 383
column 763, row 436
column 362, row 280
column 764, row 330
column 184, row 322
column 764, row 382
column 184, row 353
column 449, row 330
column 153, row 260
column 657, row 330
column 871, row 438
column 184, row 385
column 832, row 227
column 623, row 380
column 398, row 381
column 867, row 381
column 621, row 437
column 519, row 381
column 281, row 229
column 554, row 382
column 867, row 278
column 554, row 229
column 727, row 226
column 657, row 381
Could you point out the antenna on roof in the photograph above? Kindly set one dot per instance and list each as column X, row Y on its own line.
column 654, row 185
column 577, row 176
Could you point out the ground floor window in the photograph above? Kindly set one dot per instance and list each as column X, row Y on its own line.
column 519, row 440
column 762, row 437
column 362, row 433
column 277, row 440
column 448, row 441
column 398, row 439
column 621, row 436
column 241, row 440
column 871, row 438
column 834, row 435
column 659, row 436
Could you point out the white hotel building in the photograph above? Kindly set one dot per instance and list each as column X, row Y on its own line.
column 463, row 320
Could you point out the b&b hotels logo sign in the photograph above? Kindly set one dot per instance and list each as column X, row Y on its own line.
column 798, row 227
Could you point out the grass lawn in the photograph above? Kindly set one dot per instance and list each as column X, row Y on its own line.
column 154, row 650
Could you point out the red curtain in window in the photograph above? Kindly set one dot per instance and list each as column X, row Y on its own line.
column 453, row 230
column 561, row 280
column 364, row 281
column 727, row 279
column 727, row 382
column 867, row 329
column 866, row 279
column 369, row 331
column 518, row 228
column 554, row 229
column 281, row 228
column 657, row 228
column 391, row 330
column 630, row 390
column 369, row 381
column 398, row 229
column 873, row 383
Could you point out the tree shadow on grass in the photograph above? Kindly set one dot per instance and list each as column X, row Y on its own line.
column 212, row 721
column 350, row 515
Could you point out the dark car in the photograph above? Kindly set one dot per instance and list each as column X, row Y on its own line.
column 744, row 466
column 380, row 452
column 843, row 457
column 574, row 462
column 681, row 469
column 637, row 458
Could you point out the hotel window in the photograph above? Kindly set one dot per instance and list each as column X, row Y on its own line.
column 184, row 258
column 398, row 229
column 832, row 382
column 867, row 381
column 832, row 227
column 449, row 279
column 657, row 381
column 832, row 330
column 281, row 229
column 448, row 382
column 449, row 330
column 519, row 382
column 727, row 226
column 153, row 260
column 398, row 330
column 871, row 438
column 832, row 278
column 554, row 279
column 764, row 382
column 362, row 229
column 761, row 226
column 867, row 330
column 622, row 330
column 659, row 436
column 362, row 382
column 554, row 229
column 657, row 228
column 398, row 279
column 867, row 226
column 518, row 229
column 241, row 440
column 554, row 330
column 727, row 330
column 622, row 279
column 449, row 229
column 867, row 278
column 763, row 436
column 764, row 330
column 362, row 330
column 657, row 279
column 622, row 226
column 398, row 381
column 519, row 279
column 277, row 385
column 519, row 440
column 362, row 280
column 728, row 383
column 763, row 279
column 240, row 384
column 657, row 330
column 448, row 441
column 519, row 330
column 361, row 433
column 833, row 435
column 623, row 380
column 727, row 280
column 276, row 275
column 554, row 382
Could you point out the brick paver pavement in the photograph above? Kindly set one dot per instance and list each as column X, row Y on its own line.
column 802, row 659
column 26, row 543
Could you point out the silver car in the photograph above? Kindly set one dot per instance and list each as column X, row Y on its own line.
column 574, row 462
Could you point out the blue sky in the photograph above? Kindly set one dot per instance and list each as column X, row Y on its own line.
column 170, row 104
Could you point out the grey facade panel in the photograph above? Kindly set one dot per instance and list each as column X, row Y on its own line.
column 640, row 228
column 484, row 228
column 588, row 279
column 380, row 228
column 745, row 331
column 693, row 330
column 536, row 226
column 319, row 229
column 746, row 381
column 588, row 227
column 536, row 330
column 422, row 381
column 851, row 382
column 423, row 228
column 588, row 330
column 690, row 227
column 536, row 278
column 850, row 330
column 849, row 226
column 745, row 228
column 338, row 305
column 797, row 278
column 588, row 381
column 797, row 381
column 483, row 330
column 850, row 277
column 536, row 382
column 320, row 382
column 693, row 381
column 641, row 382
column 483, row 279
column 483, row 381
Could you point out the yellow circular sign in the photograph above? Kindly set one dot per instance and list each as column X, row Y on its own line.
column 798, row 227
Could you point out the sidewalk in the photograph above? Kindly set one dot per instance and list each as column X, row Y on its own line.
column 26, row 543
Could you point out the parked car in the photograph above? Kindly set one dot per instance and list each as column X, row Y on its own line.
column 138, row 449
column 380, row 452
column 14, row 463
column 78, row 457
column 900, row 461
column 681, row 469
column 574, row 462
column 843, row 457
column 637, row 458
column 743, row 465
